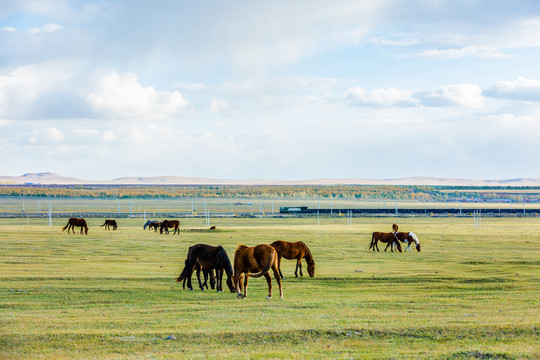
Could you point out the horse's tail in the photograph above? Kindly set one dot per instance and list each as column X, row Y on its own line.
column 372, row 241
column 183, row 275
column 103, row 224
column 269, row 264
column 65, row 227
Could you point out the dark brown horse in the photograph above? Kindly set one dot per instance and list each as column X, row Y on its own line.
column 110, row 223
column 152, row 224
column 206, row 274
column 387, row 238
column 208, row 257
column 167, row 224
column 72, row 222
column 294, row 250
column 260, row 258
column 407, row 238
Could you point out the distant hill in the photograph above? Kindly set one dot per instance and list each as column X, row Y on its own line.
column 55, row 179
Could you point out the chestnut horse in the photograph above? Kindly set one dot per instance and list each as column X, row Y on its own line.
column 384, row 238
column 260, row 258
column 407, row 238
column 208, row 257
column 109, row 223
column 294, row 250
column 72, row 222
column 167, row 224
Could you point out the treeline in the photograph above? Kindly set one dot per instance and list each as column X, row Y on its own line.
column 420, row 193
column 359, row 192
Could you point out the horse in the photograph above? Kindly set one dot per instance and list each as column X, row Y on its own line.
column 407, row 238
column 206, row 274
column 167, row 224
column 151, row 224
column 109, row 223
column 260, row 258
column 208, row 257
column 294, row 250
column 385, row 238
column 72, row 222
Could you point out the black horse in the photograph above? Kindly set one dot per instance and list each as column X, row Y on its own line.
column 110, row 223
column 152, row 224
column 208, row 257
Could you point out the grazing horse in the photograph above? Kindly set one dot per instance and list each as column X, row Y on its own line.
column 407, row 238
column 260, row 258
column 294, row 250
column 109, row 223
column 152, row 224
column 385, row 238
column 208, row 257
column 206, row 273
column 72, row 222
column 167, row 224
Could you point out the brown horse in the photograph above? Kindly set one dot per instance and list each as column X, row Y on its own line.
column 110, row 223
column 294, row 250
column 384, row 238
column 167, row 224
column 208, row 257
column 260, row 258
column 407, row 238
column 72, row 222
column 156, row 225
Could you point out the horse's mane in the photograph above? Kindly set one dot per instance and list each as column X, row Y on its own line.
column 240, row 247
column 222, row 254
column 415, row 238
column 309, row 257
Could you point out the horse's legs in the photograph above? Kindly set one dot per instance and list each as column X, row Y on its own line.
column 298, row 266
column 269, row 281
column 279, row 266
column 214, row 280
column 245, row 285
column 199, row 277
column 376, row 245
column 278, row 279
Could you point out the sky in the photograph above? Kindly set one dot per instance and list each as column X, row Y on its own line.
column 270, row 89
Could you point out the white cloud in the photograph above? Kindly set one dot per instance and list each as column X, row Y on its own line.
column 218, row 105
column 109, row 137
column 472, row 51
column 7, row 29
column 520, row 89
column 463, row 95
column 121, row 95
column 381, row 97
column 47, row 28
column 46, row 136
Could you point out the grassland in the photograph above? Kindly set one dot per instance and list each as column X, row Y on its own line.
column 470, row 293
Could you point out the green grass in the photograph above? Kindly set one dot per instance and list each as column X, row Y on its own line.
column 470, row 293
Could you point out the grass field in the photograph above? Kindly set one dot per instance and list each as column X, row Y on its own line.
column 470, row 293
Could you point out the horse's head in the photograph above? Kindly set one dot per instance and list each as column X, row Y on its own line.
column 418, row 248
column 230, row 284
column 398, row 245
column 311, row 268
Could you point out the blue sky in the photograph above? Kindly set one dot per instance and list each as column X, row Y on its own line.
column 276, row 90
